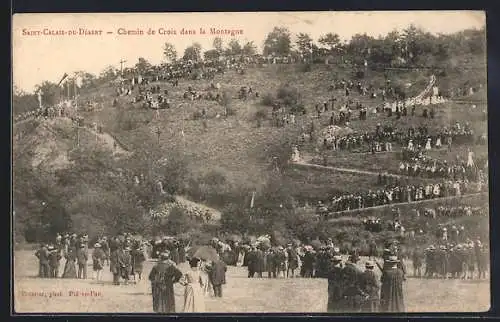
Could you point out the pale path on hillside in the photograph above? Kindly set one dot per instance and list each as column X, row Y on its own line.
column 109, row 141
column 348, row 170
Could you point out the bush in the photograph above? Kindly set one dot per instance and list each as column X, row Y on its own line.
column 298, row 109
column 304, row 68
column 267, row 100
column 261, row 114
column 196, row 115
column 288, row 95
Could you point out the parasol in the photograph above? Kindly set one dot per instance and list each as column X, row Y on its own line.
column 203, row 252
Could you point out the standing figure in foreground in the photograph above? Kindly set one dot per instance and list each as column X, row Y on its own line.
column 163, row 276
column 371, row 287
column 54, row 258
column 391, row 295
column 217, row 276
column 43, row 261
column 82, row 257
column 194, row 299
column 98, row 258
column 70, row 266
column 335, row 287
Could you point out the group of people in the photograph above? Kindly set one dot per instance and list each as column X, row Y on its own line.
column 423, row 166
column 352, row 290
column 468, row 260
column 399, row 194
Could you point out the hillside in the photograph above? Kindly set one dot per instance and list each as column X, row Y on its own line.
column 233, row 149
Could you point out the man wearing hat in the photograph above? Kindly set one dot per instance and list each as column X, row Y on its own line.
column 126, row 264
column 117, row 262
column 82, row 258
column 43, row 261
column 371, row 288
column 54, row 258
column 335, row 289
column 391, row 295
column 105, row 248
column 163, row 276
column 353, row 293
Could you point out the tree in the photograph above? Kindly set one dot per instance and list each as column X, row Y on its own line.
column 218, row 45
column 233, row 48
column 108, row 73
column 249, row 49
column 278, row 42
column 211, row 54
column 192, row 52
column 304, row 45
column 23, row 102
column 51, row 93
column 169, row 52
column 142, row 65
column 331, row 41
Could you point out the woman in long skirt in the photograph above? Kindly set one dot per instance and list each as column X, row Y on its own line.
column 194, row 299
column 204, row 277
column 70, row 266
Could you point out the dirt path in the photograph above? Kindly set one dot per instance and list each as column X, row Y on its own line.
column 110, row 141
column 347, row 170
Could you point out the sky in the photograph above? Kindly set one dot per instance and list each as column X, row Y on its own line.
column 37, row 58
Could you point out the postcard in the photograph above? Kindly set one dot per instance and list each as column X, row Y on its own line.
column 251, row 162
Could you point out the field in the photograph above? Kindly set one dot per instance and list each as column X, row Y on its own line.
column 241, row 294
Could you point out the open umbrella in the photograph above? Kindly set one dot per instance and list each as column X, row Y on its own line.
column 204, row 252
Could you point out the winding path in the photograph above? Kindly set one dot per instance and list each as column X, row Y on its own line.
column 347, row 170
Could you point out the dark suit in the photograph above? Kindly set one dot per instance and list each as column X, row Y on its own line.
column 82, row 257
column 217, row 275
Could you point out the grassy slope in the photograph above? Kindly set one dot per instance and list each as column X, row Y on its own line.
column 235, row 146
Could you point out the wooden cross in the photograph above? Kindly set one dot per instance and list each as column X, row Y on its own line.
column 121, row 65
column 158, row 133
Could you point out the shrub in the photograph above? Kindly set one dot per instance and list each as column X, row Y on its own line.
column 304, row 68
column 288, row 95
column 261, row 114
column 196, row 115
column 267, row 100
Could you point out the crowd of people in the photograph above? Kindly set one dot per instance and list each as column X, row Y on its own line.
column 383, row 138
column 399, row 194
column 467, row 260
column 423, row 166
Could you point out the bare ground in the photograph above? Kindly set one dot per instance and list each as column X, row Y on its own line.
column 241, row 294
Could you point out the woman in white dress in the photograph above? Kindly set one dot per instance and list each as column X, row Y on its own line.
column 194, row 300
column 204, row 277
column 428, row 144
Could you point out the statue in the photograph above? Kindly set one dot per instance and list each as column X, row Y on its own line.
column 295, row 154
column 39, row 94
column 160, row 187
